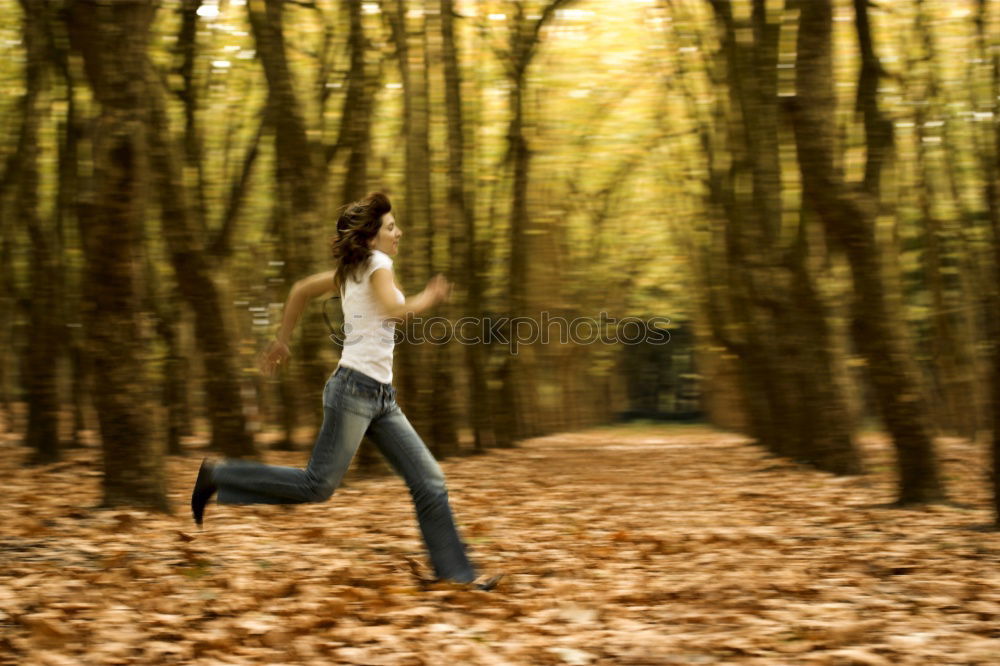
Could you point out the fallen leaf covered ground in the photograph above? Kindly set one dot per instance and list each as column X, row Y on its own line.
column 620, row 545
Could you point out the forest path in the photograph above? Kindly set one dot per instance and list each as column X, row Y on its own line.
column 621, row 545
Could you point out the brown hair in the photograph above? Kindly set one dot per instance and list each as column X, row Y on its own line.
column 359, row 222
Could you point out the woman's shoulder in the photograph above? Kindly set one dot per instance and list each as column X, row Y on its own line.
column 379, row 259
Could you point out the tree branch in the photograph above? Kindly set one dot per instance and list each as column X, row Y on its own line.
column 530, row 44
column 221, row 245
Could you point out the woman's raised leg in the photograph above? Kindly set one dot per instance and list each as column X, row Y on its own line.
column 248, row 482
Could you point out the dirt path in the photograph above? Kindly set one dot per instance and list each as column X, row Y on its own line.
column 628, row 545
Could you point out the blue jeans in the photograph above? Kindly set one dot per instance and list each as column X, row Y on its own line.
column 355, row 405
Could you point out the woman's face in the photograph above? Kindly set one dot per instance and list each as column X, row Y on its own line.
column 387, row 238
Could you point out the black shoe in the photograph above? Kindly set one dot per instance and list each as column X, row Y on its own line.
column 204, row 488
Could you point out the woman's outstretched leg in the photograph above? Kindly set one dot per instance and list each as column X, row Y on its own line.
column 410, row 457
column 248, row 482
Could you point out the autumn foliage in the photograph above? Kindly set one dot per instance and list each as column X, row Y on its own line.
column 624, row 545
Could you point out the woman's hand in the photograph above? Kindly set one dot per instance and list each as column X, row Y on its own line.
column 438, row 289
column 276, row 353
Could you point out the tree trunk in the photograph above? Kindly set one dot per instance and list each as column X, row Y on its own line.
column 462, row 217
column 8, row 299
column 298, row 180
column 113, row 39
column 795, row 407
column 356, row 117
column 175, row 378
column 416, row 387
column 189, row 259
column 947, row 403
column 443, row 358
column 520, row 404
column 958, row 400
column 43, row 347
column 751, row 222
column 989, row 154
column 849, row 218
column 70, row 134
column 825, row 424
column 517, row 402
column 187, row 49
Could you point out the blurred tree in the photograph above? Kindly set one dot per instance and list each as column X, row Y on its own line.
column 957, row 402
column 8, row 307
column 44, row 304
column 355, row 136
column 70, row 133
column 174, row 391
column 417, row 387
column 848, row 214
column 166, row 303
column 574, row 155
column 444, row 358
column 516, row 404
column 113, row 39
column 298, row 187
column 187, row 250
column 764, row 306
column 462, row 220
column 988, row 153
column 187, row 53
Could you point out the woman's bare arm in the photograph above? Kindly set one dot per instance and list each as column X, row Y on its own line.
column 383, row 287
column 302, row 292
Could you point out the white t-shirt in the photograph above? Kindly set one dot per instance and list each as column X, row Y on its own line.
column 368, row 335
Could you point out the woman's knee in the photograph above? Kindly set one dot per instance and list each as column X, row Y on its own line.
column 429, row 488
column 321, row 491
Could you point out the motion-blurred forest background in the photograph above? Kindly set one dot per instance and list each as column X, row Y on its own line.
column 808, row 190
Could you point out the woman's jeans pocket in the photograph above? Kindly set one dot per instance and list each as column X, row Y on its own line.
column 343, row 394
